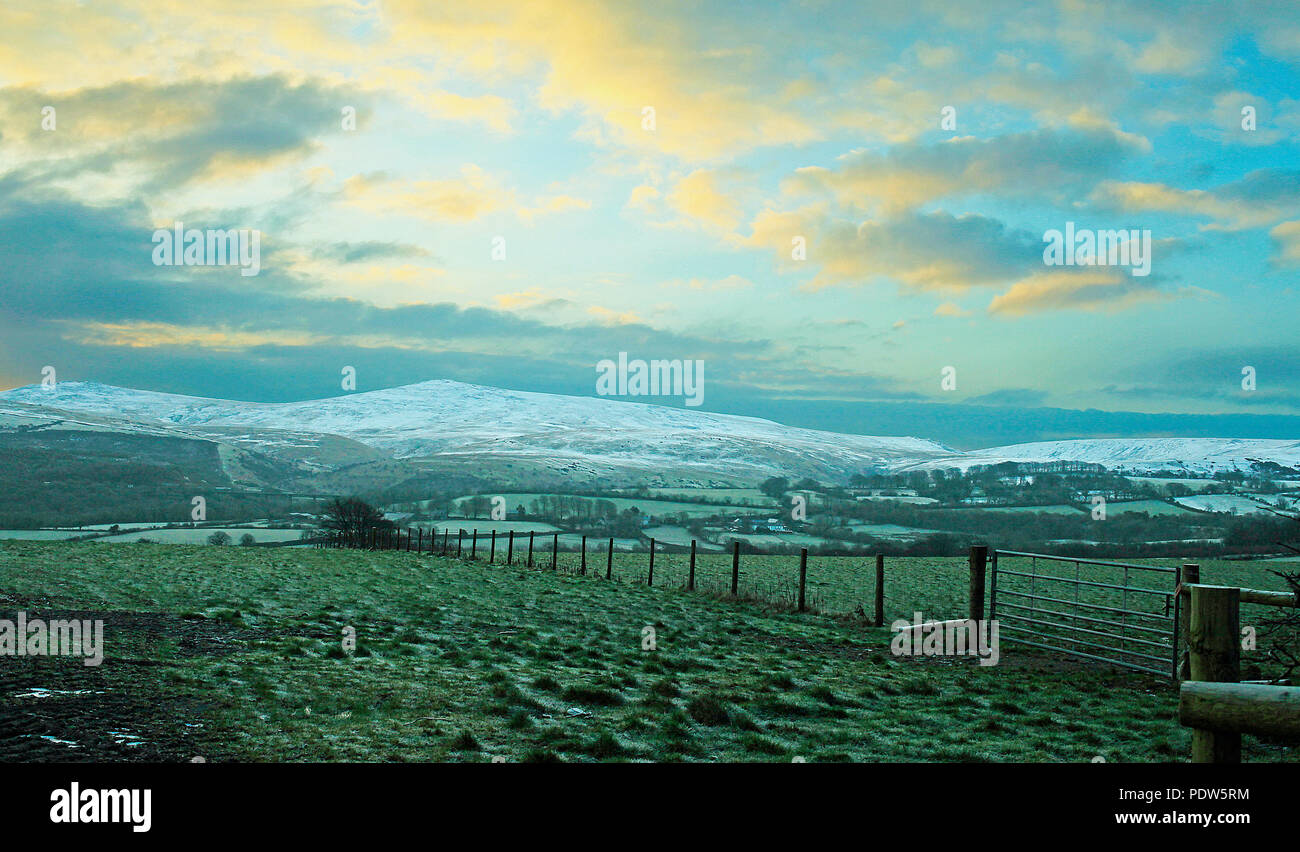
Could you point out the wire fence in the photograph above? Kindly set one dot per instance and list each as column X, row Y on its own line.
column 1126, row 614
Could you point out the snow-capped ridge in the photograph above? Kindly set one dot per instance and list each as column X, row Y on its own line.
column 446, row 419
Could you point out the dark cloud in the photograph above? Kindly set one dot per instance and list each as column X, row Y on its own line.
column 177, row 132
column 360, row 252
column 1011, row 396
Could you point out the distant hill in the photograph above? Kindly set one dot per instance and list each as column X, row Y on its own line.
column 464, row 435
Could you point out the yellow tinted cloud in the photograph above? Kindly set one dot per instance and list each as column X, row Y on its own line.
column 697, row 197
column 1089, row 289
column 1287, row 237
column 1227, row 213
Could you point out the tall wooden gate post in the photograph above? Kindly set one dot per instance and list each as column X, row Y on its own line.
column 1214, row 638
column 1190, row 576
column 979, row 557
column 880, row 590
column 803, row 575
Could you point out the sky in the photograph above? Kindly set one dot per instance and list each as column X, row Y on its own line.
column 841, row 209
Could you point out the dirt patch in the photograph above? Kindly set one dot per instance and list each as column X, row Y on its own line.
column 57, row 709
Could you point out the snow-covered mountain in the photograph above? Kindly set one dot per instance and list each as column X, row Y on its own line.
column 444, row 425
column 579, row 438
column 1199, row 456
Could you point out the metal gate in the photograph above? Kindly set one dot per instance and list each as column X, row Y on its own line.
column 1089, row 608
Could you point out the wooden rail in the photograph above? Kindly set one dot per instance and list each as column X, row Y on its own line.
column 1240, row 708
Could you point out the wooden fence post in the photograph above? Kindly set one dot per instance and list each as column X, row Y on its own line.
column 690, row 578
column 584, row 556
column 510, row 547
column 555, row 549
column 650, row 578
column 473, row 547
column 880, row 590
column 1214, row 642
column 1191, row 576
column 803, row 576
column 460, row 542
column 735, row 567
column 609, row 562
column 979, row 557
column 531, row 533
column 419, row 543
column 492, row 557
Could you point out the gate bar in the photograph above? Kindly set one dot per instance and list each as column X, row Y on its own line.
column 1151, row 615
column 1090, row 583
column 1084, row 629
column 1109, row 648
column 1159, row 568
column 1124, row 664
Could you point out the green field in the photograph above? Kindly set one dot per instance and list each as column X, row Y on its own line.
column 1060, row 509
column 234, row 654
column 1151, row 507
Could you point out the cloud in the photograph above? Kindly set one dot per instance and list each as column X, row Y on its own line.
column 1260, row 198
column 346, row 252
column 698, row 198
column 1090, row 289
column 1286, row 237
column 144, row 137
column 472, row 195
column 951, row 309
column 608, row 62
column 1018, row 397
column 978, row 251
column 1044, row 163
column 642, row 198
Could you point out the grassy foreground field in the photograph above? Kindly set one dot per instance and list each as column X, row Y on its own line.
column 234, row 654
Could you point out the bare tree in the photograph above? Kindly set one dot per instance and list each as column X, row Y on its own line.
column 353, row 519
